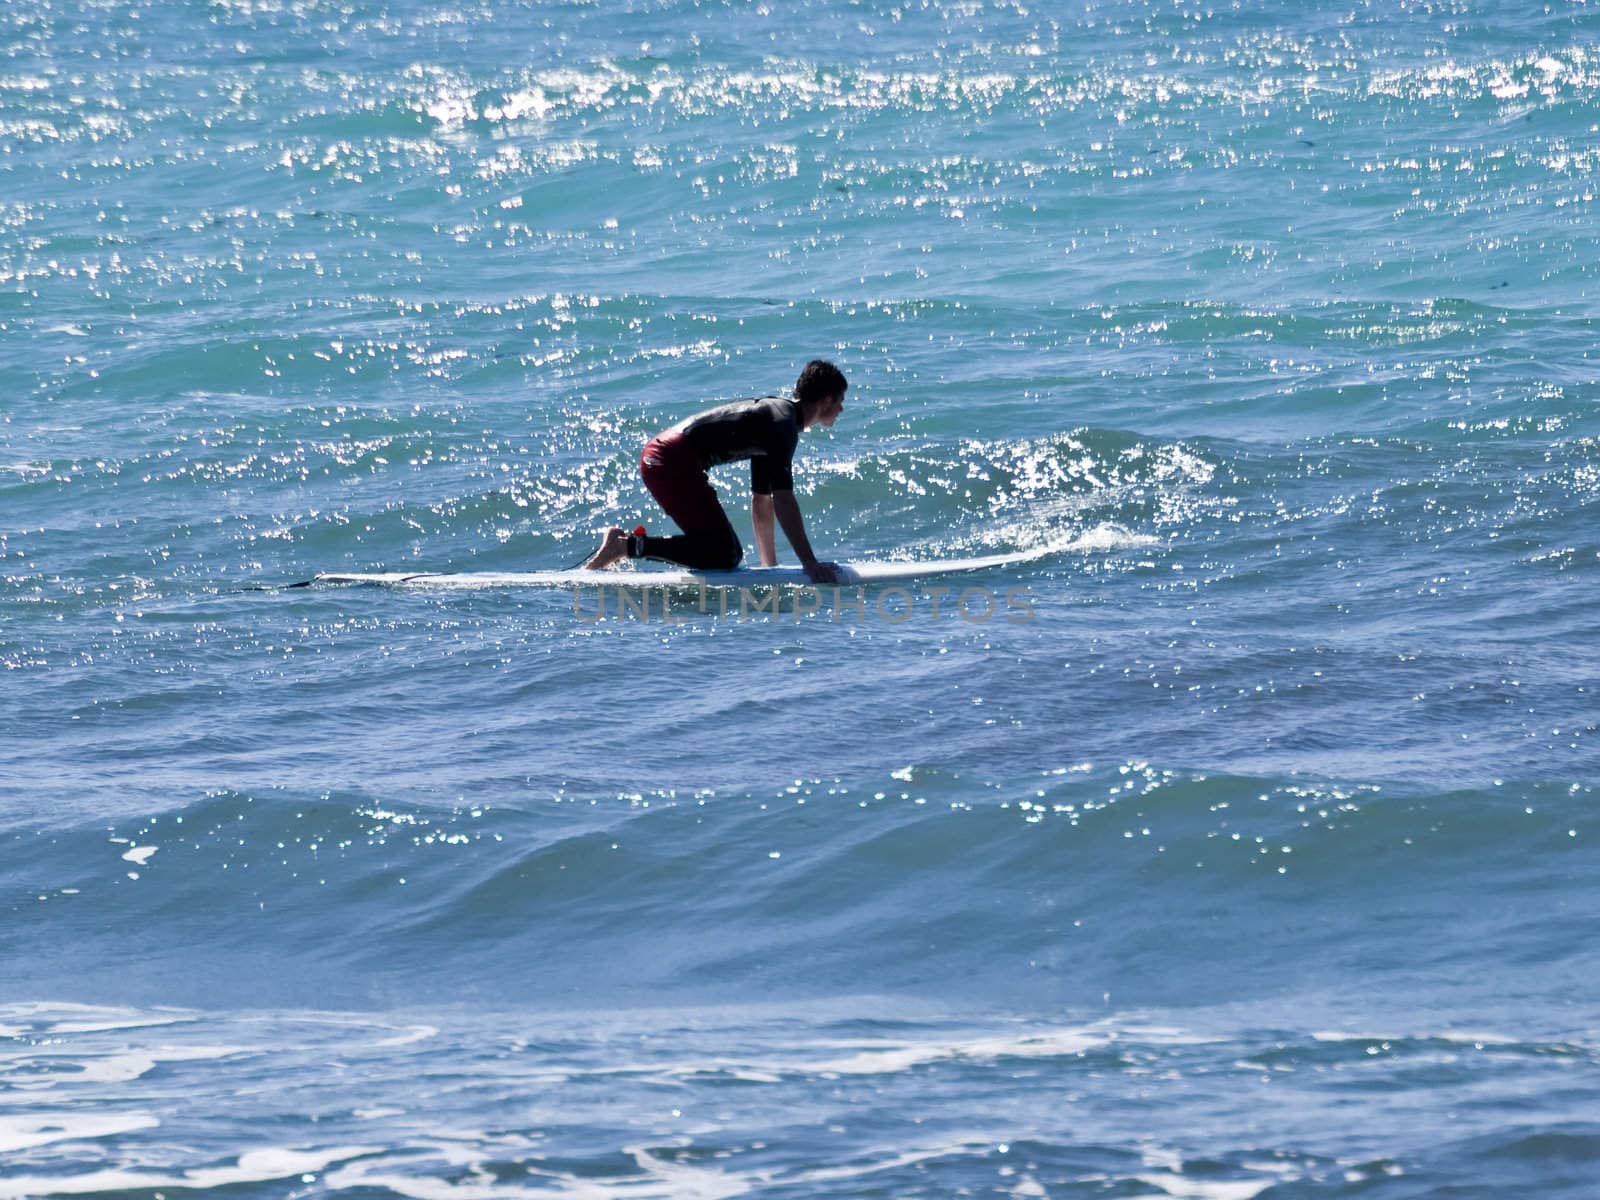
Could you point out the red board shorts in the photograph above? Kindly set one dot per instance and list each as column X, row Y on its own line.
column 673, row 473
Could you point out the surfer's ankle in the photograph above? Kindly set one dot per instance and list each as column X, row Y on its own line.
column 613, row 545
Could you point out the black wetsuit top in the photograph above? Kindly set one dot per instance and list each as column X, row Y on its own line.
column 764, row 430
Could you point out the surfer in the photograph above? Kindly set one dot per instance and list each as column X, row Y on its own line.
column 766, row 431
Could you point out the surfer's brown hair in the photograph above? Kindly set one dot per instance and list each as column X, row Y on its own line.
column 818, row 381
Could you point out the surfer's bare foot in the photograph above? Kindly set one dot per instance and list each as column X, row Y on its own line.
column 613, row 545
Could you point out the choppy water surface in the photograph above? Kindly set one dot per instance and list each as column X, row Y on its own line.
column 1257, row 861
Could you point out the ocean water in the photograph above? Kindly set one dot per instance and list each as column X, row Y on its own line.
column 1245, row 850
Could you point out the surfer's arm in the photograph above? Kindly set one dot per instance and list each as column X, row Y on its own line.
column 787, row 510
column 761, row 518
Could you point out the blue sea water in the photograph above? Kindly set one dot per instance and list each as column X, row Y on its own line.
column 1258, row 862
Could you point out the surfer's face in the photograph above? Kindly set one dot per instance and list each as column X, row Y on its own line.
column 828, row 411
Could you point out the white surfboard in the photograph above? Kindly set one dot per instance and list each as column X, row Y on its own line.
column 858, row 572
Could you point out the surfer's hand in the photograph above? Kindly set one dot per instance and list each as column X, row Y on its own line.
column 824, row 572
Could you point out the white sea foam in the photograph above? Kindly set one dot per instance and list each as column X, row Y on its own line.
column 1185, row 1188
column 416, row 1033
column 57, row 1017
column 71, row 1066
column 1106, row 538
column 254, row 1166
column 23, row 1132
column 871, row 1060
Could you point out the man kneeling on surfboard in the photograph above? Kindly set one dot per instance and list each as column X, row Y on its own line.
column 766, row 431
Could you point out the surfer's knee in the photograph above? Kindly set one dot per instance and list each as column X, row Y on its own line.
column 728, row 555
